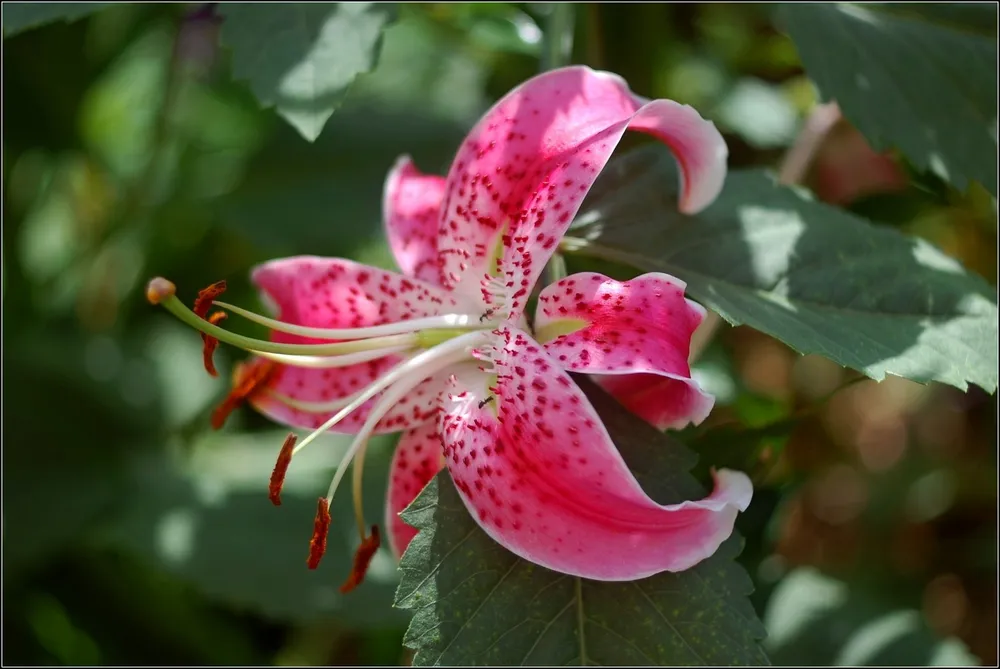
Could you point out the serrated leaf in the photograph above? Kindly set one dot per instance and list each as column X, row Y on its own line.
column 819, row 279
column 815, row 620
column 475, row 603
column 928, row 88
column 20, row 16
column 302, row 58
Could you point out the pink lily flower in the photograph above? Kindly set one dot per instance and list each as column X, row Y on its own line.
column 445, row 353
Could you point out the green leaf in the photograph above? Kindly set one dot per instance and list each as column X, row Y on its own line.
column 739, row 447
column 302, row 58
column 20, row 16
column 67, row 425
column 813, row 619
column 475, row 603
column 209, row 521
column 817, row 278
column 928, row 88
column 977, row 17
column 327, row 196
column 420, row 100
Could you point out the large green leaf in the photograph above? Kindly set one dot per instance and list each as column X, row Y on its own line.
column 819, row 279
column 68, row 423
column 813, row 619
column 908, row 78
column 20, row 16
column 301, row 58
column 475, row 603
column 419, row 100
column 208, row 520
column 976, row 17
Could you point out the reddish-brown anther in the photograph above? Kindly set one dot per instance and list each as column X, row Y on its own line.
column 321, row 526
column 211, row 343
column 362, row 559
column 246, row 379
column 202, row 304
column 280, row 469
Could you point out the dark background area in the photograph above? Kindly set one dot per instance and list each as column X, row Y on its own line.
column 134, row 534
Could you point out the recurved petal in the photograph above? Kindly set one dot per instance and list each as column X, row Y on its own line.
column 411, row 207
column 416, row 460
column 538, row 471
column 524, row 170
column 338, row 293
column 636, row 335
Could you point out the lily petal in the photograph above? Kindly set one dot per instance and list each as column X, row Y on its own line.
column 636, row 334
column 524, row 170
column 411, row 207
column 540, row 474
column 416, row 460
column 338, row 293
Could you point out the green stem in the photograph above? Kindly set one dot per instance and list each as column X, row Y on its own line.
column 133, row 217
column 557, row 51
column 556, row 268
column 558, row 45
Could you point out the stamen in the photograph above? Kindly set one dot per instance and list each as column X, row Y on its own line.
column 202, row 304
column 247, row 378
column 393, row 394
column 444, row 321
column 321, row 526
column 362, row 559
column 209, row 344
column 309, row 407
column 436, row 358
column 280, row 469
column 329, row 362
column 404, row 377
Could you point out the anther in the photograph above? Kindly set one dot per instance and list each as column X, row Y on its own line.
column 159, row 289
column 209, row 344
column 321, row 526
column 280, row 469
column 202, row 304
column 362, row 559
column 247, row 378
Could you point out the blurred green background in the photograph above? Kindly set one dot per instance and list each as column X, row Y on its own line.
column 134, row 534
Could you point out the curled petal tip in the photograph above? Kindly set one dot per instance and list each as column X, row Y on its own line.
column 738, row 487
column 159, row 289
column 362, row 559
column 321, row 526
